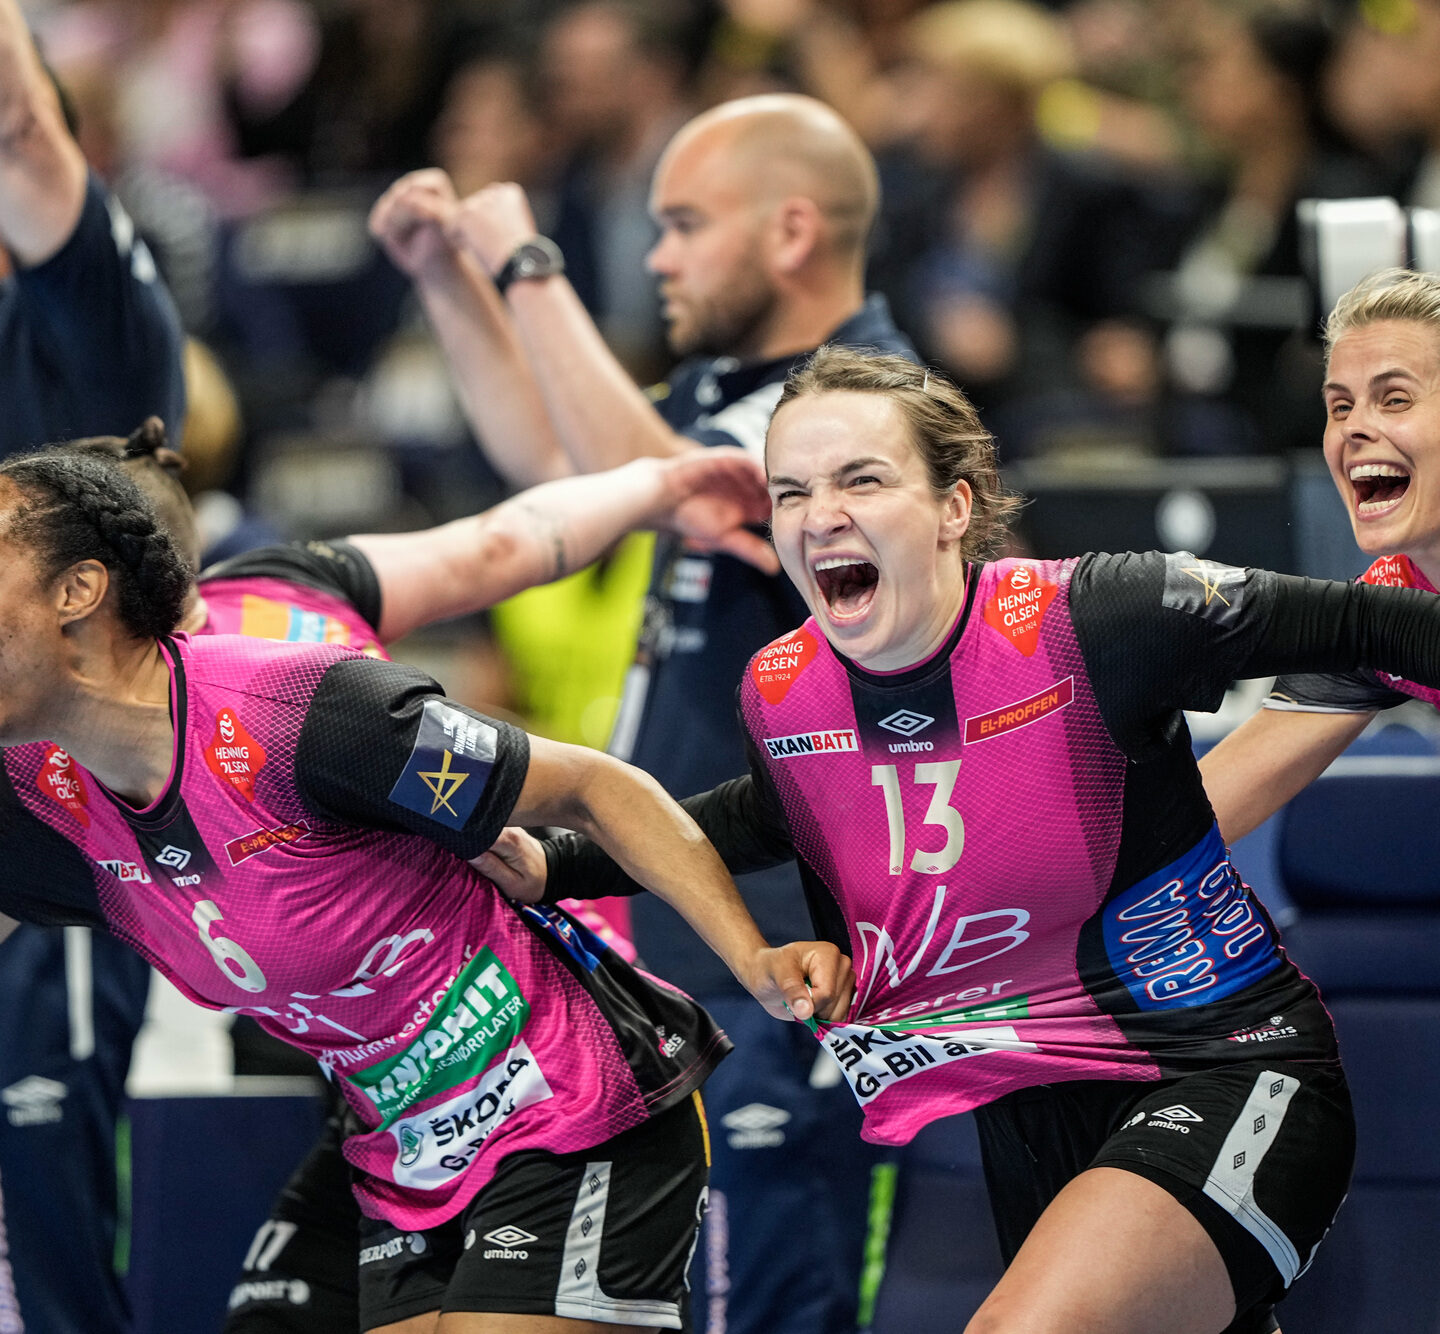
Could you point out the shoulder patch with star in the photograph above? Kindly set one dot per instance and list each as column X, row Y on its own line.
column 1203, row 587
column 449, row 765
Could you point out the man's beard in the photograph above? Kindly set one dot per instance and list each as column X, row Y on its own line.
column 727, row 325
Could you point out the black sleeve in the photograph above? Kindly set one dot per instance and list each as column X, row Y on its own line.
column 338, row 568
column 1160, row 633
column 743, row 818
column 382, row 747
column 1332, row 692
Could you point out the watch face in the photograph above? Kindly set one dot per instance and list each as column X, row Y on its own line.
column 531, row 260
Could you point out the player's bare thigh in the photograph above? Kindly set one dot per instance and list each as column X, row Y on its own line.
column 1113, row 1254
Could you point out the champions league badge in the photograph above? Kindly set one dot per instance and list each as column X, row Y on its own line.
column 449, row 765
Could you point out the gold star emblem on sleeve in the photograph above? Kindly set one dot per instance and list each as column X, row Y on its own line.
column 1210, row 584
column 443, row 783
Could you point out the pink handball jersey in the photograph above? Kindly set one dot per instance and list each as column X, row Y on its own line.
column 328, row 593
column 304, row 865
column 1011, row 839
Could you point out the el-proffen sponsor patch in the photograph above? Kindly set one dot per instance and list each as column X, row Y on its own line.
column 449, row 765
column 1020, row 714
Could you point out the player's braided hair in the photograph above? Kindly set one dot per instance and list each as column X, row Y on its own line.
column 157, row 469
column 82, row 506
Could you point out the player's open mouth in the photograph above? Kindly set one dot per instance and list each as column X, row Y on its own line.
column 846, row 583
column 1377, row 486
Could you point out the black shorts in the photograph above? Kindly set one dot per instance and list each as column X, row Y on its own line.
column 1260, row 1153
column 299, row 1274
column 605, row 1234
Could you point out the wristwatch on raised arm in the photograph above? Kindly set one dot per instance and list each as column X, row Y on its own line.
column 539, row 257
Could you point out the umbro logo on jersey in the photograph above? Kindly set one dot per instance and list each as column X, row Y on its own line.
column 810, row 743
column 506, row 1243
column 170, row 855
column 34, row 1100
column 756, row 1126
column 906, row 722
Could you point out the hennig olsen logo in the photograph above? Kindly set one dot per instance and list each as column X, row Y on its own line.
column 505, row 1241
column 906, row 723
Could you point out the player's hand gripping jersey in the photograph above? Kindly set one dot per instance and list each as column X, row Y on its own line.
column 1358, row 692
column 1011, row 839
column 303, row 866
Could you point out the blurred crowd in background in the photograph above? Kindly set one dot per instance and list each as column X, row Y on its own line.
column 1088, row 219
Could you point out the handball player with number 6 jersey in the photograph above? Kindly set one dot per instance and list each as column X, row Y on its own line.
column 283, row 830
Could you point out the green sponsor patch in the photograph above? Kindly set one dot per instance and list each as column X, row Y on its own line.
column 1017, row 1008
column 481, row 1014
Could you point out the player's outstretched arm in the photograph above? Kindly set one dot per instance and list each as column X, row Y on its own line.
column 601, row 416
column 487, row 363
column 42, row 171
column 1265, row 761
column 552, row 529
column 627, row 813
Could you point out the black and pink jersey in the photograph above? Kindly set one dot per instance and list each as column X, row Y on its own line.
column 302, row 593
column 1011, row 839
column 304, row 866
column 1365, row 691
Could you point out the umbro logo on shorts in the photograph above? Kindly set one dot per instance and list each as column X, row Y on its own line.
column 1174, row 1117
column 510, row 1236
column 1179, row 1112
column 506, row 1243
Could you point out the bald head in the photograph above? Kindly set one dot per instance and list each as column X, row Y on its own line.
column 779, row 145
